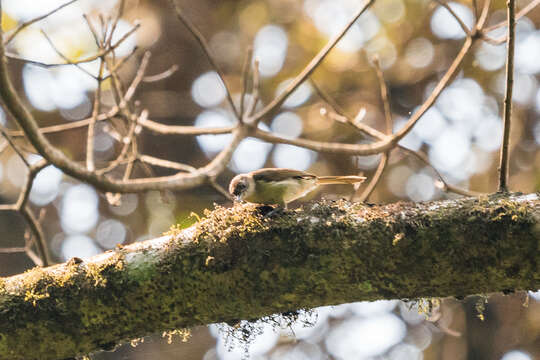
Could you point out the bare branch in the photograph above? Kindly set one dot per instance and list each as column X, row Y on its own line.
column 184, row 130
column 385, row 97
column 93, row 31
column 14, row 146
column 38, row 234
column 28, row 124
column 126, row 142
column 12, row 250
column 245, row 78
column 119, row 13
column 445, row 186
column 503, row 165
column 220, row 189
column 375, row 178
column 158, row 77
column 91, row 126
column 256, row 89
column 165, row 163
column 139, row 76
column 483, row 16
column 25, row 192
column 389, row 127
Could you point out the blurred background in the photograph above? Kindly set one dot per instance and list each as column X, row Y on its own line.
column 415, row 40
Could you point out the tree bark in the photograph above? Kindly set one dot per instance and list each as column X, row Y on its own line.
column 239, row 263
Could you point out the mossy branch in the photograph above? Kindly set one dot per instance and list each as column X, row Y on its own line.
column 239, row 264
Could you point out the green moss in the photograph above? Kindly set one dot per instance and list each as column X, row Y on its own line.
column 241, row 263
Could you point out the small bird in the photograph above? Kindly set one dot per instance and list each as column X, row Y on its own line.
column 281, row 186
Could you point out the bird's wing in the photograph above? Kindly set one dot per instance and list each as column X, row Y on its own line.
column 280, row 174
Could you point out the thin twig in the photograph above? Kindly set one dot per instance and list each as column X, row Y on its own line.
column 503, row 165
column 147, row 159
column 183, row 130
column 375, row 179
column 14, row 146
column 25, row 24
column 39, row 236
column 455, row 16
column 206, row 50
column 93, row 31
column 92, row 125
column 119, row 13
column 355, row 124
column 445, row 186
column 256, row 89
column 12, row 250
column 385, row 97
column 161, row 76
column 220, row 189
column 126, row 142
column 66, row 59
column 475, row 9
column 483, row 15
column 245, row 79
column 25, row 191
column 327, row 98
column 124, row 60
column 313, row 64
column 138, row 77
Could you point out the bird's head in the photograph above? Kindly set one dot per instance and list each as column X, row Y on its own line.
column 242, row 186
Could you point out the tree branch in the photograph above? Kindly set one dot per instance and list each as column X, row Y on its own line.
column 504, row 162
column 240, row 264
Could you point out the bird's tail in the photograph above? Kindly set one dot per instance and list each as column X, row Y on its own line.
column 323, row 180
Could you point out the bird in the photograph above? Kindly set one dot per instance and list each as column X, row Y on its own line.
column 280, row 186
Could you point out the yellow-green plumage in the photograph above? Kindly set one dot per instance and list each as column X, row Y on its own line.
column 281, row 192
column 281, row 186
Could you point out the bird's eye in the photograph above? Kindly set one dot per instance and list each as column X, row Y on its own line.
column 239, row 188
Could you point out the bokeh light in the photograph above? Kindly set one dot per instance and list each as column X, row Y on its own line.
column 294, row 157
column 516, row 355
column 110, row 233
column 419, row 53
column 287, row 124
column 46, row 186
column 212, row 144
column 208, row 89
column 128, row 204
column 80, row 246
column 270, row 49
column 79, row 209
column 361, row 338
